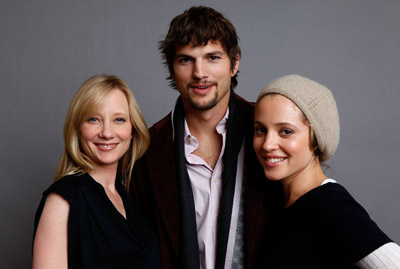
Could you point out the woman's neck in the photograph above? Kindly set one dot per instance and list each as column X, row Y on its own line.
column 298, row 185
column 105, row 175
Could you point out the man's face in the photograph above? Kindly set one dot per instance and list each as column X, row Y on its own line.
column 203, row 75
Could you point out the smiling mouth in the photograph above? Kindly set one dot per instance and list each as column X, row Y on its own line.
column 275, row 160
column 201, row 90
column 202, row 85
column 106, row 147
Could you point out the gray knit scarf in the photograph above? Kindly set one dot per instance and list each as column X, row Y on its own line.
column 234, row 139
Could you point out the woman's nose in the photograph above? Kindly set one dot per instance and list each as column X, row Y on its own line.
column 107, row 131
column 270, row 142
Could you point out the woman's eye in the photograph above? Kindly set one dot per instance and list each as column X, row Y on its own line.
column 260, row 130
column 120, row 120
column 287, row 132
column 93, row 119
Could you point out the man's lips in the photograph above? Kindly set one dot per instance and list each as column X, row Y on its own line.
column 201, row 88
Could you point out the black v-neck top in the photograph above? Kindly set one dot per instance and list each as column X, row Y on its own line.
column 325, row 228
column 98, row 235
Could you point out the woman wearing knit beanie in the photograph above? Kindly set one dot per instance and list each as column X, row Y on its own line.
column 320, row 225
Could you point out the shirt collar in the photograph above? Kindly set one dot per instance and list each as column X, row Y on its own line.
column 191, row 143
column 221, row 127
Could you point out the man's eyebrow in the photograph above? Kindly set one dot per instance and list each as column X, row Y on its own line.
column 211, row 53
column 182, row 55
column 217, row 52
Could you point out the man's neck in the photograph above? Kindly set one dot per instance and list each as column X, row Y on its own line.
column 206, row 121
column 203, row 125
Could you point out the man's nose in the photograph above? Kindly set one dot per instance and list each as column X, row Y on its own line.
column 200, row 70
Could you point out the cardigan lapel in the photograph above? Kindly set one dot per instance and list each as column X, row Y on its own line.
column 162, row 175
column 258, row 190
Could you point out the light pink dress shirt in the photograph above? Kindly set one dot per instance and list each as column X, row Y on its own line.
column 207, row 190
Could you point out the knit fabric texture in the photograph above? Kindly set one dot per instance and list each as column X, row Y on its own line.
column 318, row 105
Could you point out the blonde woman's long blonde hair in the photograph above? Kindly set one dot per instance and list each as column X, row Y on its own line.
column 89, row 96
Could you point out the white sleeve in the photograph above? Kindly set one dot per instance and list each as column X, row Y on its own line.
column 385, row 257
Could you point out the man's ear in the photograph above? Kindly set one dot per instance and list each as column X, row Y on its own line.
column 236, row 67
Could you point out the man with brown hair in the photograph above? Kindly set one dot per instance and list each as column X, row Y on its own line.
column 200, row 181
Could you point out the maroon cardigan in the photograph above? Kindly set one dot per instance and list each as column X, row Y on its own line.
column 154, row 185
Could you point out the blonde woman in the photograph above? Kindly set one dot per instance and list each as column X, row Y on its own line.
column 321, row 225
column 86, row 218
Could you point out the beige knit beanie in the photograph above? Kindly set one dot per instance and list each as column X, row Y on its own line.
column 318, row 105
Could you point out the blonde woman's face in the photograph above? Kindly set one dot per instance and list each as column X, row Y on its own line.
column 106, row 133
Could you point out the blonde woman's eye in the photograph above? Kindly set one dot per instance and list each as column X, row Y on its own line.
column 287, row 132
column 121, row 120
column 93, row 119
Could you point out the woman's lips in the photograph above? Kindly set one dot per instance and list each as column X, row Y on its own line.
column 106, row 147
column 274, row 161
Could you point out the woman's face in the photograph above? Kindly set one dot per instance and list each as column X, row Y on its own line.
column 105, row 134
column 281, row 138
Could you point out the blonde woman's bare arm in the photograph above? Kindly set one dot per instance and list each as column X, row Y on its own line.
column 50, row 246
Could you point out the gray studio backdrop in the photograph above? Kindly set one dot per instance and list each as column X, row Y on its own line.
column 49, row 47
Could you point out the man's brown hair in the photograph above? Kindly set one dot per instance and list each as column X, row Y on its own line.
column 197, row 26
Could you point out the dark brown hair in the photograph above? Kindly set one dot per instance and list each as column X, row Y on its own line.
column 197, row 26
